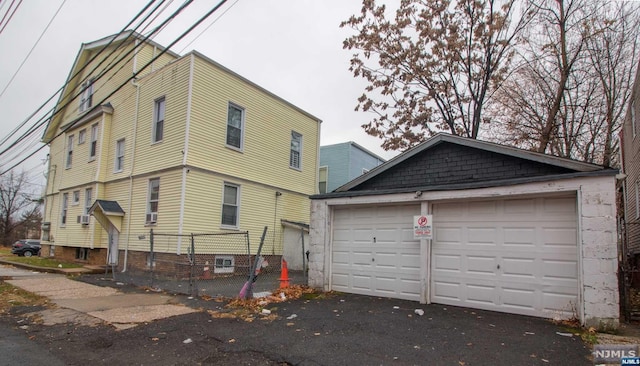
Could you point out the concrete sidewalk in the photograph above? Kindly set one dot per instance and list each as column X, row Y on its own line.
column 88, row 304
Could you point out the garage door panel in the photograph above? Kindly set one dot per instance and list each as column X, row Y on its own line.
column 481, row 265
column 522, row 258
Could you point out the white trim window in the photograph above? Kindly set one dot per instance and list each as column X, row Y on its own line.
column 119, row 158
column 88, row 200
column 224, row 264
column 637, row 199
column 230, row 205
column 323, row 179
column 235, row 126
column 93, row 147
column 86, row 95
column 63, row 210
column 158, row 119
column 75, row 200
column 296, row 150
column 153, row 198
column 82, row 136
column 69, row 151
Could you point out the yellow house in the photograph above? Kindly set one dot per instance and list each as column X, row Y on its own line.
column 144, row 139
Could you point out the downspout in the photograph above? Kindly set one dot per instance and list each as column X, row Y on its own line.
column 133, row 160
column 185, row 154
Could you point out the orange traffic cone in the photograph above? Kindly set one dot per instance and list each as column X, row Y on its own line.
column 206, row 272
column 284, row 275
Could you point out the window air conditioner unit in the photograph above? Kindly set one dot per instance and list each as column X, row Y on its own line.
column 84, row 219
column 152, row 217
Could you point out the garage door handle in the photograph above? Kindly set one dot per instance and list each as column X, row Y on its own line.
column 373, row 259
column 498, row 266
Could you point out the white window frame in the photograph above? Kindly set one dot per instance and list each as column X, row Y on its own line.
column 118, row 163
column 88, row 200
column 224, row 264
column 159, row 110
column 64, row 209
column 86, row 95
column 326, row 181
column 93, row 146
column 637, row 189
column 69, row 157
column 293, row 151
column 241, row 128
column 633, row 118
column 150, row 201
column 82, row 136
column 235, row 204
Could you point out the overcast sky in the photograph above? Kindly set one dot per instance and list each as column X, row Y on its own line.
column 292, row 48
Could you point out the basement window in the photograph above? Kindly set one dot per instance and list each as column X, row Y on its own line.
column 224, row 264
column 82, row 254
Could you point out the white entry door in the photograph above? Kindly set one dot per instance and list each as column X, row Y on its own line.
column 373, row 251
column 510, row 255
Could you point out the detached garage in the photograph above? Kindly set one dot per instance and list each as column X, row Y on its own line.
column 513, row 231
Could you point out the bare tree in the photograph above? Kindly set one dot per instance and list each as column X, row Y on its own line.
column 569, row 93
column 19, row 206
column 432, row 66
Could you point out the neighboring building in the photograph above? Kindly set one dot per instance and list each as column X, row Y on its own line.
column 630, row 156
column 340, row 163
column 188, row 146
column 513, row 231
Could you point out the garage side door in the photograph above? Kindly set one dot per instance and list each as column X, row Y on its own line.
column 374, row 253
column 514, row 255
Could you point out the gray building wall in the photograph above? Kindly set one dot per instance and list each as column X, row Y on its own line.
column 345, row 161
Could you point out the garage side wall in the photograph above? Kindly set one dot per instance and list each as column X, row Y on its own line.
column 597, row 210
column 318, row 242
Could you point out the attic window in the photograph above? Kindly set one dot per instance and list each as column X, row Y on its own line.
column 86, row 95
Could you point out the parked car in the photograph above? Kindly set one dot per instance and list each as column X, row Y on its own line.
column 26, row 247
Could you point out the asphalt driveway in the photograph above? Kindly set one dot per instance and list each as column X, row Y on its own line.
column 346, row 329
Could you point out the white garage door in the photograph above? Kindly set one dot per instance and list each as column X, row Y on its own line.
column 514, row 255
column 374, row 253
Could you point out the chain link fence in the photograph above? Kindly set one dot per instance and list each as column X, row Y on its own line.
column 205, row 264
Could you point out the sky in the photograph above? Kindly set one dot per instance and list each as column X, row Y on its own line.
column 293, row 48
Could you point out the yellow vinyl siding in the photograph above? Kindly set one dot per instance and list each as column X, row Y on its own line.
column 74, row 234
column 268, row 123
column 171, row 83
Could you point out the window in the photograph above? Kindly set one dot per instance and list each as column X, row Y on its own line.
column 82, row 136
column 88, row 200
column 633, row 118
column 76, row 198
column 230, row 203
column 224, row 264
column 69, row 151
column 94, row 142
column 296, row 149
column 152, row 202
column 63, row 213
column 235, row 125
column 158, row 120
column 82, row 254
column 322, row 179
column 637, row 199
column 86, row 95
column 119, row 163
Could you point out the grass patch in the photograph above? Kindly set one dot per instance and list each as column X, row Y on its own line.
column 5, row 251
column 42, row 262
column 13, row 296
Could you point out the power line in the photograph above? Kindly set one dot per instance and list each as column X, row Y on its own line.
column 74, row 75
column 209, row 26
column 32, row 48
column 135, row 74
column 11, row 16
